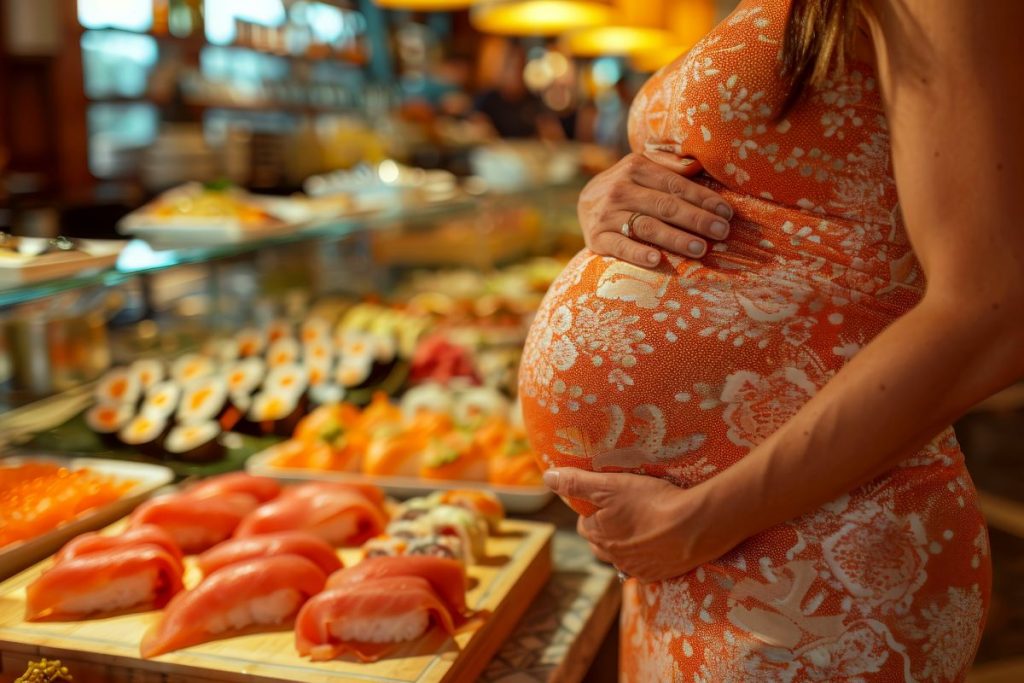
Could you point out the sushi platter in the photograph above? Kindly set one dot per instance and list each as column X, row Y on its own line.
column 518, row 499
column 36, row 259
column 240, row 578
column 140, row 481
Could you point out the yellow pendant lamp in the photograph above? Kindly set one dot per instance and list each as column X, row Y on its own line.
column 538, row 17
column 648, row 31
column 426, row 5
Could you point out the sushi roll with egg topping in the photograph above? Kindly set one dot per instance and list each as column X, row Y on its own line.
column 162, row 400
column 276, row 412
column 284, row 351
column 196, row 442
column 246, row 375
column 251, row 342
column 120, row 385
column 107, row 419
column 191, row 367
column 203, row 400
column 149, row 372
column 145, row 433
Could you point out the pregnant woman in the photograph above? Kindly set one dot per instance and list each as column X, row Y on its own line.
column 754, row 425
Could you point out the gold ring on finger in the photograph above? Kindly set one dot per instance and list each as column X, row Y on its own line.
column 627, row 227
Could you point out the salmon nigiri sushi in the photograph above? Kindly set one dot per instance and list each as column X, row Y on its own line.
column 303, row 544
column 264, row 591
column 446, row 577
column 341, row 516
column 95, row 542
column 260, row 489
column 129, row 577
column 372, row 493
column 370, row 618
column 194, row 523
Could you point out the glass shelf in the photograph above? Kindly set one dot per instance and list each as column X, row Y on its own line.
column 138, row 257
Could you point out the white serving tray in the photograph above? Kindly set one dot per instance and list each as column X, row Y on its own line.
column 95, row 255
column 520, row 499
column 148, row 478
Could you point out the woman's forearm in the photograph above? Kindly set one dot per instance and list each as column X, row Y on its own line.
column 898, row 392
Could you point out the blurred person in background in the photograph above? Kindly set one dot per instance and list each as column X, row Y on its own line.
column 511, row 109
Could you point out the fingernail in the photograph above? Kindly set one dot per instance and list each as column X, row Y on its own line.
column 685, row 162
column 551, row 479
column 696, row 249
column 724, row 210
column 719, row 229
column 653, row 257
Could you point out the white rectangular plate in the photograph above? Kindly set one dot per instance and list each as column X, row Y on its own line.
column 521, row 499
column 147, row 478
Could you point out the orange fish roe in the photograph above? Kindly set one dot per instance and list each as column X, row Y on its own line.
column 37, row 497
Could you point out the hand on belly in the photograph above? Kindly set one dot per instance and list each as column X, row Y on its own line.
column 644, row 526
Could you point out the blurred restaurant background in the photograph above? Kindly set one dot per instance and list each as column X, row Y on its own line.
column 181, row 178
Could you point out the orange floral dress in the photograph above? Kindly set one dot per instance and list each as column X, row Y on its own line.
column 696, row 362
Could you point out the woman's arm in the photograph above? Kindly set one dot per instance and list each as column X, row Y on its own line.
column 954, row 91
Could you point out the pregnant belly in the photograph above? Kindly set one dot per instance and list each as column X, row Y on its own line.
column 678, row 372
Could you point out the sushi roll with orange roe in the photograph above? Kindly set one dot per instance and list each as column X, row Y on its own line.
column 284, row 351
column 191, row 367
column 119, row 385
column 245, row 376
column 275, row 412
column 203, row 400
column 107, row 419
column 251, row 342
column 292, row 379
column 146, row 434
column 162, row 399
column 149, row 372
column 279, row 329
column 314, row 330
column 195, row 442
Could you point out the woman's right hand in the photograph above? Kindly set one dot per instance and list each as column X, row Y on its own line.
column 675, row 213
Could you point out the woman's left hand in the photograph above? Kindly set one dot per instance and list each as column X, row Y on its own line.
column 646, row 527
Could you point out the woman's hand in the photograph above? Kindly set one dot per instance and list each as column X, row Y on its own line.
column 646, row 527
column 676, row 213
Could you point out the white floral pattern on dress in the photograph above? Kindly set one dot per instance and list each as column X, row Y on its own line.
column 680, row 371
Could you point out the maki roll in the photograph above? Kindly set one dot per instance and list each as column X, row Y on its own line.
column 292, row 379
column 276, row 412
column 203, row 400
column 318, row 352
column 148, row 372
column 315, row 330
column 107, row 419
column 385, row 546
column 284, row 351
column 278, row 330
column 162, row 400
column 317, row 373
column 251, row 343
column 484, row 504
column 354, row 373
column 120, row 385
column 436, row 545
column 468, row 527
column 145, row 433
column 190, row 367
column 246, row 375
column 196, row 442
column 358, row 357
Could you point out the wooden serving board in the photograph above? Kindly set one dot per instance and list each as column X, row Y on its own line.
column 106, row 650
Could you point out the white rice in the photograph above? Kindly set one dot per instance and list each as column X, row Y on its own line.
column 186, row 437
column 273, row 608
column 114, row 595
column 376, row 629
